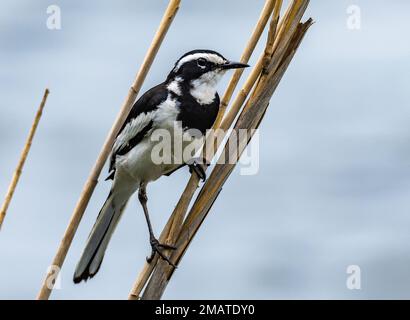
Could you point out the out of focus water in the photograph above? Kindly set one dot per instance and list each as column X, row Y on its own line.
column 334, row 180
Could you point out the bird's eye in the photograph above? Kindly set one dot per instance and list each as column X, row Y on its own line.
column 201, row 62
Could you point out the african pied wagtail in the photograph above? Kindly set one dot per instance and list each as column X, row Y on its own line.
column 187, row 99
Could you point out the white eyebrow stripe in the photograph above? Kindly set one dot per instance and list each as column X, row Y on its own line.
column 208, row 56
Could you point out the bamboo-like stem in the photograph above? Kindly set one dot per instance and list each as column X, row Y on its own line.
column 242, row 95
column 253, row 40
column 272, row 34
column 174, row 223
column 22, row 160
column 92, row 180
column 249, row 119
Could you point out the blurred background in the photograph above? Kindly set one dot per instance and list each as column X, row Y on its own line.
column 333, row 185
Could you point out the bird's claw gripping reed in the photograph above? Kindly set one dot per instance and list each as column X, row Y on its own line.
column 157, row 248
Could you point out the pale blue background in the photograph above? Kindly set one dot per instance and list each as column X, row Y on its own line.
column 333, row 186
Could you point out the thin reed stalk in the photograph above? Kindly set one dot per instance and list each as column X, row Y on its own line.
column 92, row 179
column 22, row 160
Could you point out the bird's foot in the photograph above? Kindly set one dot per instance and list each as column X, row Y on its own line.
column 157, row 247
column 198, row 166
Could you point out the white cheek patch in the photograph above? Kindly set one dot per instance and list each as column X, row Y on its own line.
column 203, row 89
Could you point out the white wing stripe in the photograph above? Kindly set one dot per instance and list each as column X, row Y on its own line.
column 132, row 129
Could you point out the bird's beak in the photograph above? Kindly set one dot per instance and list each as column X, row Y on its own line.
column 233, row 65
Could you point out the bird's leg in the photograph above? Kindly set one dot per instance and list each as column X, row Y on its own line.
column 199, row 166
column 155, row 244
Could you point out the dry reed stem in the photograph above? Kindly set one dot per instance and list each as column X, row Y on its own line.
column 92, row 180
column 175, row 221
column 250, row 47
column 249, row 118
column 22, row 160
column 272, row 34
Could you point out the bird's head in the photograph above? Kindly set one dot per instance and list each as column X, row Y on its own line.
column 201, row 69
column 198, row 63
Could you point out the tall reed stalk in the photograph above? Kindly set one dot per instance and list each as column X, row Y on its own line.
column 92, row 179
column 22, row 160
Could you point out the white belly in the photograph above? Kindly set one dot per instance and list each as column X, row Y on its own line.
column 138, row 163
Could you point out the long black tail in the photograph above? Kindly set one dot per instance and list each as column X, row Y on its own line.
column 98, row 240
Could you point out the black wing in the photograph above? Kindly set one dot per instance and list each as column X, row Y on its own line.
column 138, row 123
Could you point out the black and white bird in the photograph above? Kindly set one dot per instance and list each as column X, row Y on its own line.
column 188, row 99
